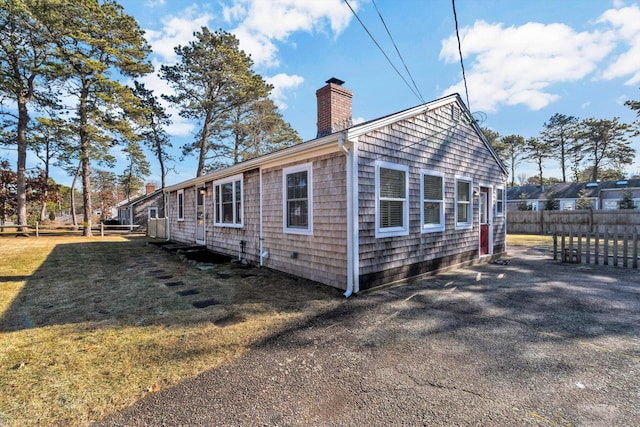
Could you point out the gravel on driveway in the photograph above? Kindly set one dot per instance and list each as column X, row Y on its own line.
column 533, row 342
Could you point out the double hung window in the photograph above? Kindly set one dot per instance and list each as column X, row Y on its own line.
column 228, row 202
column 432, row 208
column 464, row 203
column 297, row 199
column 392, row 199
column 180, row 204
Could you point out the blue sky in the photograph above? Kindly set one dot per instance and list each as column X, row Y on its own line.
column 524, row 60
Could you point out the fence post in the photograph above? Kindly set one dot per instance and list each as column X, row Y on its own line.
column 606, row 247
column 37, row 230
column 597, row 248
column 579, row 254
column 102, row 229
column 555, row 245
column 625, row 250
column 588, row 251
column 635, row 249
column 615, row 248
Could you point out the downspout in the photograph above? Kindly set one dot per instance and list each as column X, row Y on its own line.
column 263, row 254
column 350, row 225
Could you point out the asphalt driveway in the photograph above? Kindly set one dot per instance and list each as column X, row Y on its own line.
column 529, row 343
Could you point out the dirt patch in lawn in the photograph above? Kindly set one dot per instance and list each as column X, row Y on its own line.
column 91, row 325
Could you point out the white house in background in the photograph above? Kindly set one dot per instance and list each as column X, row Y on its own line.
column 360, row 205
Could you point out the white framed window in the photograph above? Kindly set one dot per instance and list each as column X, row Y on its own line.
column 610, row 204
column 297, row 200
column 153, row 213
column 499, row 201
column 180, row 205
column 567, row 205
column 464, row 203
column 432, row 203
column 392, row 199
column 228, row 202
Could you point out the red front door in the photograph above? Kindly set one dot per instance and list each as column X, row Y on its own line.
column 483, row 208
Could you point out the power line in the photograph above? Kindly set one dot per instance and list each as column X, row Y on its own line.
column 464, row 77
column 398, row 51
column 383, row 52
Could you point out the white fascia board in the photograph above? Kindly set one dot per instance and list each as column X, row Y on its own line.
column 304, row 149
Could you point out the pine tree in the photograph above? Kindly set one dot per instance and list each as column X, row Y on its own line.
column 95, row 41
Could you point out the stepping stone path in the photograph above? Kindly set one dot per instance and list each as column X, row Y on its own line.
column 188, row 292
column 165, row 277
column 174, row 284
column 223, row 276
column 156, row 271
column 204, row 303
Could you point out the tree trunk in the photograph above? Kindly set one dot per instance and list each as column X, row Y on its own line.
column 85, row 161
column 73, row 196
column 21, row 173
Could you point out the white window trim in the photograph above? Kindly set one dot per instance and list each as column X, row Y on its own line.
column 233, row 179
column 431, row 228
column 288, row 171
column 152, row 208
column 463, row 225
column 392, row 231
column 179, row 195
column 504, row 203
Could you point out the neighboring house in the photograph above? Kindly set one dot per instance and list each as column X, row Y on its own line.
column 603, row 195
column 359, row 206
column 138, row 211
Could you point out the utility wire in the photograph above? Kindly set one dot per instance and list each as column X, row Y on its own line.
column 464, row 77
column 383, row 52
column 398, row 52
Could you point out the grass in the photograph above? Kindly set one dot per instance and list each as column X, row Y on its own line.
column 530, row 240
column 88, row 327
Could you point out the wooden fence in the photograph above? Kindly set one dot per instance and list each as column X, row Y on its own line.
column 617, row 248
column 48, row 230
column 585, row 221
column 157, row 228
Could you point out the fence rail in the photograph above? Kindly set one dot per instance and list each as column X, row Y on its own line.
column 40, row 229
column 617, row 248
column 586, row 221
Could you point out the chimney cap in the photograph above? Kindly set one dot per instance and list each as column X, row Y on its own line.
column 335, row 81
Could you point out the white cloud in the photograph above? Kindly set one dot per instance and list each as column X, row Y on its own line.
column 519, row 65
column 282, row 82
column 626, row 26
column 154, row 3
column 177, row 30
column 262, row 23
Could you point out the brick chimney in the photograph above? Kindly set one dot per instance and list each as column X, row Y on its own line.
column 150, row 188
column 334, row 107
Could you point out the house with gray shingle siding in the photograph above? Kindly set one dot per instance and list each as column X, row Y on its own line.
column 360, row 205
column 139, row 210
column 605, row 195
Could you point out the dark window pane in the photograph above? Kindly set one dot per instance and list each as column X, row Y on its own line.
column 391, row 213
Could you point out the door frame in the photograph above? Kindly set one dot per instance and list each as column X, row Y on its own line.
column 488, row 190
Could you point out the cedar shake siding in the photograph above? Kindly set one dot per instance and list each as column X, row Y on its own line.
column 395, row 166
column 320, row 256
column 227, row 240
column 183, row 230
column 437, row 141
